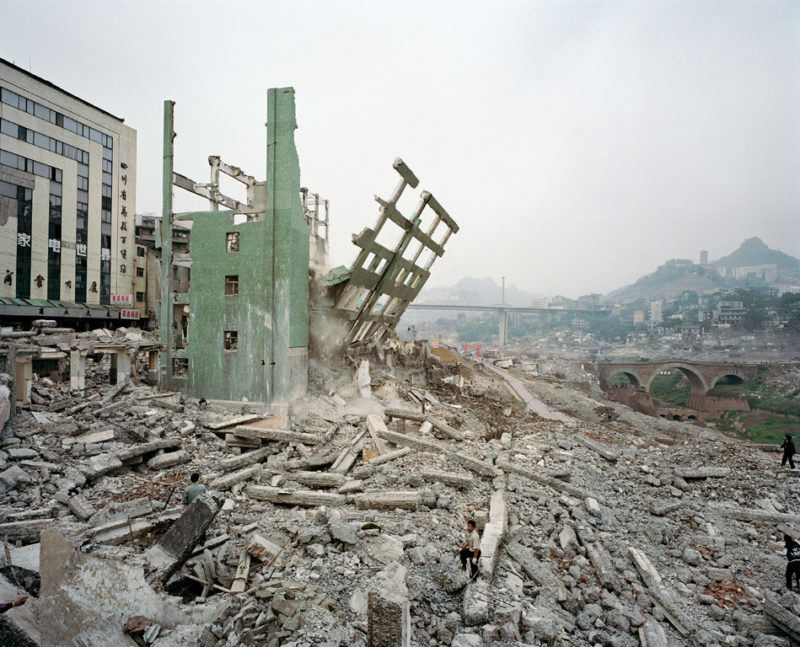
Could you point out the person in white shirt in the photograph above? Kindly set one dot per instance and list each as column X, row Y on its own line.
column 471, row 549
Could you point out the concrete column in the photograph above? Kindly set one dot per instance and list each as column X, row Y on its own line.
column 123, row 365
column 389, row 610
column 77, row 370
column 24, row 379
column 503, row 328
column 112, row 376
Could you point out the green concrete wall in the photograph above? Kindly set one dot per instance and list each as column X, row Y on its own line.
column 270, row 312
column 215, row 373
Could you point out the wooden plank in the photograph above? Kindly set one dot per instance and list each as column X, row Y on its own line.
column 242, row 573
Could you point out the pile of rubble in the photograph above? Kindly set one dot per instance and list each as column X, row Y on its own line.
column 340, row 523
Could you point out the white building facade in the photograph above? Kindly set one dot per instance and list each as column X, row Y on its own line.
column 67, row 197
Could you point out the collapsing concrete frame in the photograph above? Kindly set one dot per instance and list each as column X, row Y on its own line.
column 382, row 281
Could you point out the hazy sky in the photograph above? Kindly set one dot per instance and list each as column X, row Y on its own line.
column 578, row 144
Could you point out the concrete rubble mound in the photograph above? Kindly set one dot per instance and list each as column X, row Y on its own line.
column 339, row 523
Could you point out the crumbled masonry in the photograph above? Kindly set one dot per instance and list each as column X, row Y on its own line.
column 339, row 523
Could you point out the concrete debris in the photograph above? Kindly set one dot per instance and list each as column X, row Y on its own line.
column 339, row 522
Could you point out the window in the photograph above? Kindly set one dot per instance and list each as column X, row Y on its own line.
column 140, row 251
column 174, row 271
column 231, row 285
column 231, row 340
column 139, row 295
column 139, row 271
column 232, row 241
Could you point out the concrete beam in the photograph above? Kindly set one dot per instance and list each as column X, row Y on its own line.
column 281, row 496
column 388, row 500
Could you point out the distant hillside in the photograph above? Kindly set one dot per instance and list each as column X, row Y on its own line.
column 478, row 292
column 753, row 251
column 668, row 281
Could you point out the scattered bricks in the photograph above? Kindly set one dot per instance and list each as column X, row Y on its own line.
column 97, row 466
column 388, row 500
column 229, row 480
column 248, row 458
column 316, row 479
column 262, row 548
column 172, row 550
column 598, row 448
column 280, row 435
column 702, row 472
column 81, row 508
column 169, row 459
column 390, row 456
column 463, row 481
column 281, row 496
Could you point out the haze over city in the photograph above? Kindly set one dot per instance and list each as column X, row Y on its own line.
column 577, row 144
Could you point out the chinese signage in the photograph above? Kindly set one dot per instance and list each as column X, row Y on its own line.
column 122, row 299
column 129, row 314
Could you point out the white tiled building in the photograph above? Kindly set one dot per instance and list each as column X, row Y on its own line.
column 67, row 197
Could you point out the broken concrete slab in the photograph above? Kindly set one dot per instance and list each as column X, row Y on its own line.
column 389, row 456
column 102, row 591
column 598, row 447
column 99, row 465
column 453, row 479
column 702, row 472
column 176, row 545
column 229, row 480
column 388, row 500
column 169, row 459
column 293, row 497
column 279, row 435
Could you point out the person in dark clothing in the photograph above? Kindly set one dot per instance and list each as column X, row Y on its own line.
column 793, row 561
column 5, row 606
column 471, row 549
column 788, row 451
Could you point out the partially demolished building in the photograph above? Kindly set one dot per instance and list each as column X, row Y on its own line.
column 246, row 314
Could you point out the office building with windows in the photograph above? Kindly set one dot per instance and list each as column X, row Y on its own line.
column 67, row 204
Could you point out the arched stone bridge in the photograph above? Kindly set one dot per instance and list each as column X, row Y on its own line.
column 702, row 376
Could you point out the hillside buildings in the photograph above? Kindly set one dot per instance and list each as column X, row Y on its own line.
column 67, row 204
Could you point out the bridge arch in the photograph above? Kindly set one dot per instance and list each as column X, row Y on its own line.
column 696, row 380
column 736, row 374
column 631, row 375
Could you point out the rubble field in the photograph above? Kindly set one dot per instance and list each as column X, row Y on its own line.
column 340, row 523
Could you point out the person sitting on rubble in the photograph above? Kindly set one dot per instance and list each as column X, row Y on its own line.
column 788, row 451
column 5, row 606
column 793, row 561
column 194, row 490
column 471, row 549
